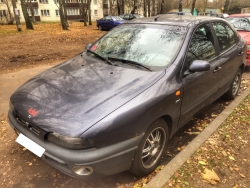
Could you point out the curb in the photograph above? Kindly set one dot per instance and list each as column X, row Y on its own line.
column 168, row 171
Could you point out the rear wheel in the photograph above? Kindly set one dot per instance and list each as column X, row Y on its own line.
column 235, row 86
column 151, row 149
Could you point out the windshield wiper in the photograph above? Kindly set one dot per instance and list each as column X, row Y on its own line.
column 103, row 58
column 125, row 61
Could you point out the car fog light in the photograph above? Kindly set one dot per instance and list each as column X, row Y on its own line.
column 82, row 170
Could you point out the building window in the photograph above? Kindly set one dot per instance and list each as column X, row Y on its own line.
column 95, row 2
column 36, row 13
column 95, row 12
column 57, row 13
column 3, row 13
column 43, row 1
column 105, row 1
column 73, row 11
column 45, row 13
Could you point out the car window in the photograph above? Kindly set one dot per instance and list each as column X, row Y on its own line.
column 226, row 36
column 201, row 46
column 108, row 18
column 240, row 23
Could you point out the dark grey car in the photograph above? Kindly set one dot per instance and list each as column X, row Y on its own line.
column 114, row 107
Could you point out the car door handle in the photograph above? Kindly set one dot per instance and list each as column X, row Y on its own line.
column 217, row 69
column 240, row 53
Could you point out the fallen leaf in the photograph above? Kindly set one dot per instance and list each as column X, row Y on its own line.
column 202, row 163
column 242, row 175
column 230, row 157
column 210, row 176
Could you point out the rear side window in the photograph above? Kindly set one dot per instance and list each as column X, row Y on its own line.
column 226, row 36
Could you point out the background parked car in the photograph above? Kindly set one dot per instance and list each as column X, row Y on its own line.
column 109, row 22
column 219, row 15
column 241, row 23
column 131, row 16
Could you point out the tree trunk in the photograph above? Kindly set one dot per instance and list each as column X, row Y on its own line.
column 65, row 13
column 89, row 7
column 144, row 8
column 32, row 12
column 226, row 5
column 118, row 7
column 28, row 22
column 62, row 17
column 193, row 6
column 18, row 26
column 83, row 10
column 153, row 8
column 149, row 13
column 161, row 10
column 180, row 5
column 7, row 3
column 123, row 9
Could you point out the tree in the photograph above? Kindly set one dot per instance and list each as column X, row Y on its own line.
column 18, row 25
column 89, row 10
column 226, row 5
column 63, row 19
column 193, row 6
column 28, row 22
column 9, row 18
column 31, row 11
column 180, row 5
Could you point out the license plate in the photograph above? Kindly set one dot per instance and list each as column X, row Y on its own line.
column 30, row 145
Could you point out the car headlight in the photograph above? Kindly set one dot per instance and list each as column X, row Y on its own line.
column 68, row 142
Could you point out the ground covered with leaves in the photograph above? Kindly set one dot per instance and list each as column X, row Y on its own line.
column 46, row 44
column 223, row 160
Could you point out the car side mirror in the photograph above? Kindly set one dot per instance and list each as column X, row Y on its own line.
column 88, row 46
column 197, row 66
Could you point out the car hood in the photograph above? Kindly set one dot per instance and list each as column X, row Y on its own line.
column 73, row 96
column 245, row 35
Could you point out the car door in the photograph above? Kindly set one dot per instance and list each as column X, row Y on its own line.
column 200, row 88
column 230, row 54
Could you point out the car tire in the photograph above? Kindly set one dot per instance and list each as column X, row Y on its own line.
column 234, row 87
column 100, row 27
column 151, row 149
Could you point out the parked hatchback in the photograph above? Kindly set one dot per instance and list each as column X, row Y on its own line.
column 241, row 22
column 114, row 106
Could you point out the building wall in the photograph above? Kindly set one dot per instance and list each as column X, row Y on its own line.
column 46, row 10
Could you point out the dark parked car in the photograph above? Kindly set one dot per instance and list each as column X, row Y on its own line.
column 131, row 16
column 241, row 23
column 114, row 106
column 108, row 22
column 180, row 13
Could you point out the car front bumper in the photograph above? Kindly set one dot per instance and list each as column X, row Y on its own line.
column 104, row 161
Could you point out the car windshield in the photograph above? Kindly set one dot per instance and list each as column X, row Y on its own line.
column 152, row 46
column 240, row 24
column 117, row 18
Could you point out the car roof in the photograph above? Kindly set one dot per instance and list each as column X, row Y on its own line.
column 239, row 15
column 175, row 20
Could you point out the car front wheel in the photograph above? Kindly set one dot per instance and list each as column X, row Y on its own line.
column 100, row 27
column 234, row 87
column 150, row 149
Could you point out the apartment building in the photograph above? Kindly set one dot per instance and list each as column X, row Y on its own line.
column 48, row 10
